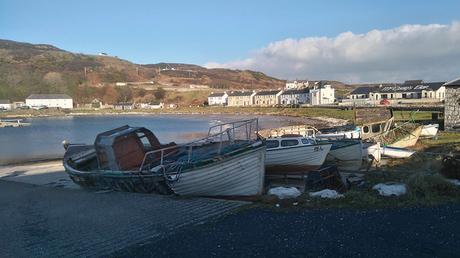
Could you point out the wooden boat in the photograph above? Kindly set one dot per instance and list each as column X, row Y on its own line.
column 401, row 136
column 229, row 162
column 429, row 131
column 294, row 154
column 345, row 153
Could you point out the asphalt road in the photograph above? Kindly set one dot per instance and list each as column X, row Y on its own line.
column 40, row 221
column 409, row 232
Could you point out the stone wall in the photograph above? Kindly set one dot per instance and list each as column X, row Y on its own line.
column 452, row 109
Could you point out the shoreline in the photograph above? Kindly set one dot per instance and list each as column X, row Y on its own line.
column 322, row 115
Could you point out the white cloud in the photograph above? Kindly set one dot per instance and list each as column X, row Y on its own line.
column 428, row 52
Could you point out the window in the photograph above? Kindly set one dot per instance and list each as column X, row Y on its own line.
column 366, row 129
column 272, row 144
column 306, row 141
column 286, row 143
column 376, row 128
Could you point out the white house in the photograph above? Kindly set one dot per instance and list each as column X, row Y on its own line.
column 322, row 95
column 50, row 100
column 5, row 104
column 291, row 85
column 409, row 90
column 218, row 99
column 295, row 97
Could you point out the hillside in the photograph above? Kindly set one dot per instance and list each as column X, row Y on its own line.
column 38, row 68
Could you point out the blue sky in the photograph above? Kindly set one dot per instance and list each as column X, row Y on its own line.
column 202, row 31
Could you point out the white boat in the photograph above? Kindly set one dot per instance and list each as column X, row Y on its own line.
column 294, row 154
column 346, row 154
column 230, row 161
column 429, row 131
column 394, row 152
column 372, row 151
column 376, row 151
column 239, row 175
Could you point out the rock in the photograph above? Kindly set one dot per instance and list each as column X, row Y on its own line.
column 390, row 189
column 285, row 192
column 327, row 193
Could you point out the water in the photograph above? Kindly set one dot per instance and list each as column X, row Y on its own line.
column 43, row 139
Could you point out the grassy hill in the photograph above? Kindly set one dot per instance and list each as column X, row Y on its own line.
column 38, row 68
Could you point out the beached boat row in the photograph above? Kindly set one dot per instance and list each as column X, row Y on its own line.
column 232, row 160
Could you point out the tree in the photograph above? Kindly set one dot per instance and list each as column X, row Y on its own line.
column 159, row 93
column 125, row 94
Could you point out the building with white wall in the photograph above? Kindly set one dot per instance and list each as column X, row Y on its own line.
column 409, row 90
column 50, row 100
column 5, row 104
column 267, row 98
column 241, row 98
column 291, row 85
column 322, row 95
column 218, row 99
column 295, row 97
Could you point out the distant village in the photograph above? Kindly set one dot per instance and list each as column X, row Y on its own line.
column 304, row 93
column 295, row 94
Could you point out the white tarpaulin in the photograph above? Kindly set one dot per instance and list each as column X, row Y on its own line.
column 326, row 193
column 285, row 192
column 390, row 189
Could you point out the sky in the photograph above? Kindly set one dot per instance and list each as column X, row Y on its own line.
column 351, row 41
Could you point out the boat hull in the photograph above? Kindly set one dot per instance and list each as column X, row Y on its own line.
column 239, row 175
column 409, row 140
column 297, row 159
column 118, row 181
column 429, row 131
column 346, row 154
column 393, row 152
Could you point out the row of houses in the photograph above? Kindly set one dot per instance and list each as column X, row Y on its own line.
column 40, row 100
column 412, row 91
column 321, row 95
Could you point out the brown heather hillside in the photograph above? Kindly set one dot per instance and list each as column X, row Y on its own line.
column 37, row 68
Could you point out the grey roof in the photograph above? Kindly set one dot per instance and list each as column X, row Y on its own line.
column 412, row 82
column 412, row 86
column 363, row 90
column 267, row 92
column 4, row 101
column 295, row 91
column 455, row 82
column 240, row 93
column 49, row 96
column 216, row 94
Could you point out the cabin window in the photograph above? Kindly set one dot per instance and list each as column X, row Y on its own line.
column 306, row 141
column 145, row 141
column 366, row 129
column 376, row 128
column 272, row 144
column 286, row 143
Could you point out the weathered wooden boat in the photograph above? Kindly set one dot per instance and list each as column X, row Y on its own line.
column 429, row 131
column 294, row 154
column 227, row 162
column 401, row 136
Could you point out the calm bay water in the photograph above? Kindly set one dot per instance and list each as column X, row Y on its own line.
column 44, row 137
